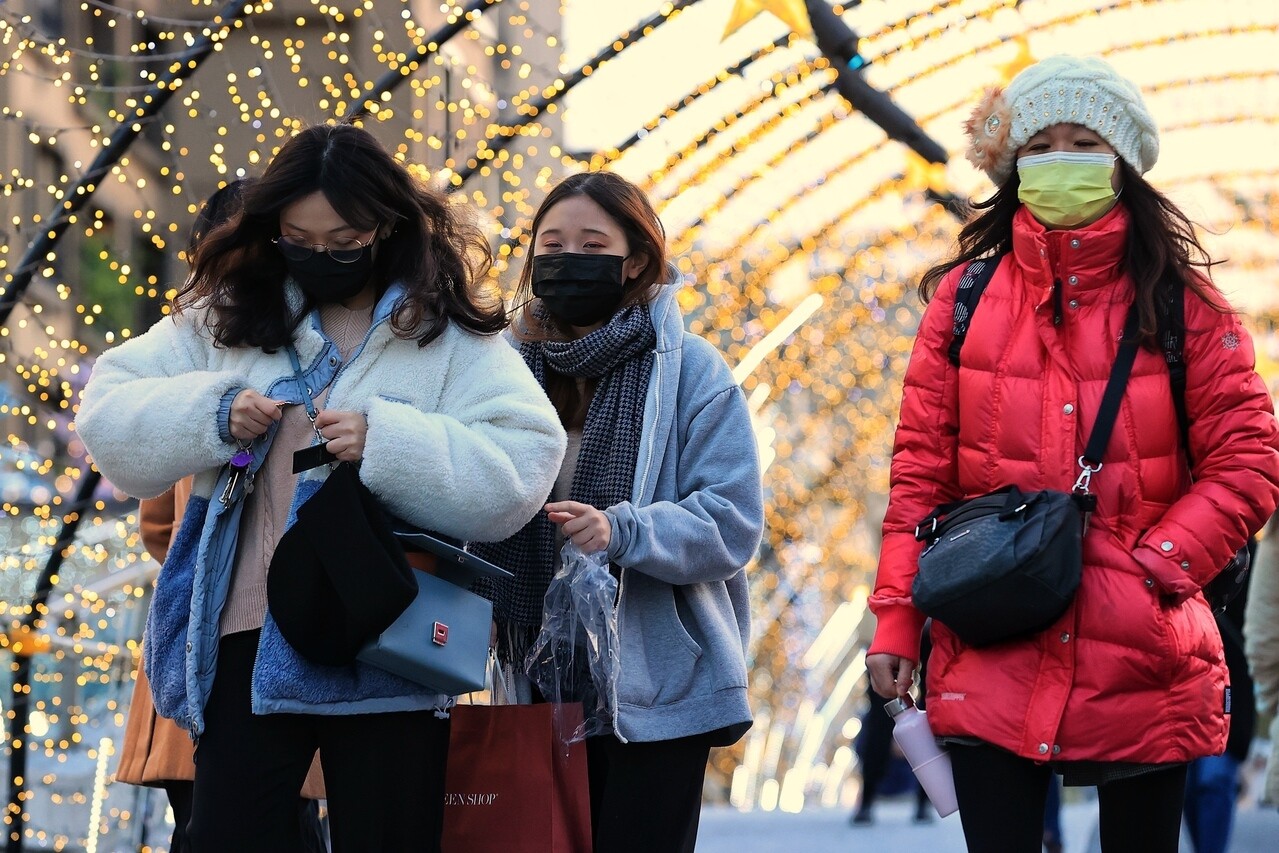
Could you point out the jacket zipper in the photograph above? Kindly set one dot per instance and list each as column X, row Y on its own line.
column 1056, row 297
column 621, row 585
column 332, row 384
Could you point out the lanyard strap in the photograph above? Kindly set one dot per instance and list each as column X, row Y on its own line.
column 302, row 389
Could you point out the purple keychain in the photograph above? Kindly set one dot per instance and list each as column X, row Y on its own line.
column 239, row 469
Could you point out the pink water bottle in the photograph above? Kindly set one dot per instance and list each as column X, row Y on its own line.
column 929, row 762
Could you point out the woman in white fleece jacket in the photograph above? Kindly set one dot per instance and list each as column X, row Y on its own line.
column 343, row 264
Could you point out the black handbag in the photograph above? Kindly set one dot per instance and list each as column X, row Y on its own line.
column 1007, row 563
column 342, row 585
column 1000, row 565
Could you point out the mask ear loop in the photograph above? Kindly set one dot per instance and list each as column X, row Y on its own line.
column 520, row 306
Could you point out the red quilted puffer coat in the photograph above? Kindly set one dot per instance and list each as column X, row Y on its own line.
column 1133, row 671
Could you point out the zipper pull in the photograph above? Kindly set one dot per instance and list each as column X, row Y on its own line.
column 1087, row 505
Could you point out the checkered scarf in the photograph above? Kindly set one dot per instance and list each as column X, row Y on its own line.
column 620, row 356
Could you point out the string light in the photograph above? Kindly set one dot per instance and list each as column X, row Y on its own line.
column 771, row 191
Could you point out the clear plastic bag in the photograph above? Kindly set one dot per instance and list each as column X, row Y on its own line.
column 575, row 656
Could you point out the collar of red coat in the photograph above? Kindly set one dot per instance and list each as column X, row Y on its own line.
column 1093, row 254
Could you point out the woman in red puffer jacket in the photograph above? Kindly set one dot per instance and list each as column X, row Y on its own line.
column 1129, row 684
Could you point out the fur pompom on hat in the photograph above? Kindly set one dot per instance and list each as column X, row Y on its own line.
column 1061, row 89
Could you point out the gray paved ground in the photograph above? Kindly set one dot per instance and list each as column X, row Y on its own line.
column 725, row 830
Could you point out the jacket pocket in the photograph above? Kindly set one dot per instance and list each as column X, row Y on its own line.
column 1193, row 630
column 658, row 654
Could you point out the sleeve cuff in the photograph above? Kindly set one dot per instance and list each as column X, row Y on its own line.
column 615, row 544
column 224, row 415
column 1170, row 573
column 898, row 630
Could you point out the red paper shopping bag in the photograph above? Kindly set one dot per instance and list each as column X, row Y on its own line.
column 511, row 786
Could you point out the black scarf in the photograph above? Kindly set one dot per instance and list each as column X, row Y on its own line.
column 619, row 355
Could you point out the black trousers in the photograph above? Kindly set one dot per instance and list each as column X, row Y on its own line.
column 180, row 793
column 1001, row 804
column 383, row 773
column 874, row 746
column 311, row 832
column 646, row 797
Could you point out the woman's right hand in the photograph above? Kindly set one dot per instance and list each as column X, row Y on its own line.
column 252, row 414
column 890, row 675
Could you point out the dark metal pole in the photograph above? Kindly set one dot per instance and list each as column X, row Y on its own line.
column 59, row 219
column 391, row 79
column 838, row 43
column 20, row 711
column 56, row 225
column 489, row 149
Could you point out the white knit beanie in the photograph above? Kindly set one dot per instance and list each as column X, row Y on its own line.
column 1061, row 89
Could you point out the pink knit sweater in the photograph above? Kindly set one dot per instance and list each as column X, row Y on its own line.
column 266, row 511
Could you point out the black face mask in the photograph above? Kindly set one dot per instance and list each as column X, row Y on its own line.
column 325, row 280
column 579, row 289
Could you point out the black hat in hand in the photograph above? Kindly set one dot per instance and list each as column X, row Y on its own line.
column 338, row 577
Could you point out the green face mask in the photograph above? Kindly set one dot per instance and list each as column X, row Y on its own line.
column 1065, row 189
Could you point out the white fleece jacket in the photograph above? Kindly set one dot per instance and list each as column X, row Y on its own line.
column 461, row 440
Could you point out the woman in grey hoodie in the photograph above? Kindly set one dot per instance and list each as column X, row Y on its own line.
column 663, row 476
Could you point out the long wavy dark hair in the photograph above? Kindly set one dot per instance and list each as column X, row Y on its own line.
column 220, row 206
column 1163, row 253
column 630, row 208
column 424, row 242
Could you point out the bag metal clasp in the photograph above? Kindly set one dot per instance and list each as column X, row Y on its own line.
column 1085, row 476
column 926, row 532
column 1086, row 500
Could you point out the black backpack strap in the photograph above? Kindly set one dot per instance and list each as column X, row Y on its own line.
column 972, row 283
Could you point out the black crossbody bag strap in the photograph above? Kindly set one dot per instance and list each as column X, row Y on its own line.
column 1103, row 426
column 1108, row 412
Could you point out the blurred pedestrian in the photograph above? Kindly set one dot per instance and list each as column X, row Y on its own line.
column 876, row 751
column 875, row 756
column 1261, row 635
column 1213, row 782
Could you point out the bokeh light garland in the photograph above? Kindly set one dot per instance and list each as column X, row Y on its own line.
column 801, row 229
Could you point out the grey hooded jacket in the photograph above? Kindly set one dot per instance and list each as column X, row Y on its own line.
column 694, row 521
